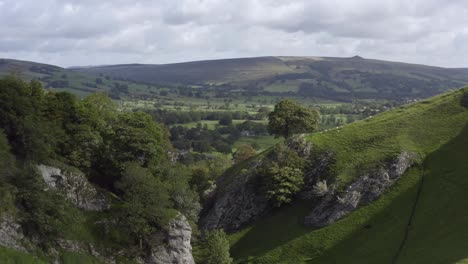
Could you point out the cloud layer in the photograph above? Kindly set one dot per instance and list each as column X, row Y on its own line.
column 85, row 32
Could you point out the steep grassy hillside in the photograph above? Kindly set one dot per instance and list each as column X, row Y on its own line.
column 422, row 219
column 341, row 79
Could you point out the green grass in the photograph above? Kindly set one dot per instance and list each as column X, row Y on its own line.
column 263, row 141
column 9, row 256
column 437, row 131
column 78, row 258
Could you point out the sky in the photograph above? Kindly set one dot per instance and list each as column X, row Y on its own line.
column 91, row 32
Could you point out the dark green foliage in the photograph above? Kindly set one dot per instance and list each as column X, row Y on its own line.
column 244, row 152
column 464, row 100
column 289, row 118
column 136, row 136
column 281, row 175
column 146, row 205
column 20, row 118
column 226, row 119
column 125, row 152
column 7, row 170
column 215, row 248
column 6, row 158
column 44, row 213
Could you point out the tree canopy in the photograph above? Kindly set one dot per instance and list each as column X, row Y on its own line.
column 289, row 118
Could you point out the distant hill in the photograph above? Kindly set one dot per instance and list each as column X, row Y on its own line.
column 62, row 79
column 322, row 77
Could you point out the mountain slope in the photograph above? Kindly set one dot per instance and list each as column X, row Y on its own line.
column 323, row 77
column 61, row 79
column 430, row 213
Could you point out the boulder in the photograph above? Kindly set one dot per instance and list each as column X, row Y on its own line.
column 75, row 187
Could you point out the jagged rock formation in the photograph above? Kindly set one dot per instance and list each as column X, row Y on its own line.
column 11, row 235
column 75, row 187
column 174, row 246
column 239, row 202
column 367, row 188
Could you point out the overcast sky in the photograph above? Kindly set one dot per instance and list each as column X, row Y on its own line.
column 92, row 32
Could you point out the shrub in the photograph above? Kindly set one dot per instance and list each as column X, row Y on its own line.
column 281, row 175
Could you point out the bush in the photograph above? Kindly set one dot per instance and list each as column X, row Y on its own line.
column 281, row 175
column 216, row 248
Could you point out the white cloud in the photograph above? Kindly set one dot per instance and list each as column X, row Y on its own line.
column 88, row 32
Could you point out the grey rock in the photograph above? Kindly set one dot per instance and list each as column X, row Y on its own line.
column 174, row 246
column 367, row 188
column 318, row 172
column 84, row 248
column 11, row 234
column 75, row 187
column 299, row 144
column 237, row 203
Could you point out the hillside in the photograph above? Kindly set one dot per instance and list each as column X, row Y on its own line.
column 341, row 79
column 61, row 79
column 420, row 219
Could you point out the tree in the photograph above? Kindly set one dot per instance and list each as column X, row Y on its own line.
column 244, row 152
column 134, row 137
column 146, row 202
column 216, row 247
column 289, row 118
column 226, row 119
column 281, row 175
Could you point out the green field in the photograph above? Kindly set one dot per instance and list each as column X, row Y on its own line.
column 263, row 141
column 436, row 130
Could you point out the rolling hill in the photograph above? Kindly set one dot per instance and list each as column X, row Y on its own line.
column 62, row 79
column 341, row 79
column 420, row 219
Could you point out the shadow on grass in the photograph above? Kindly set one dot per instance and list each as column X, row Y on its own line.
column 371, row 234
column 273, row 230
column 439, row 231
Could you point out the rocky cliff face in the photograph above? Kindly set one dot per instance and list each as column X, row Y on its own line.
column 169, row 247
column 333, row 206
column 239, row 202
column 75, row 187
column 174, row 246
column 11, row 234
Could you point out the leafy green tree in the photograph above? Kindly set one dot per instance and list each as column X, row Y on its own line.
column 134, row 137
column 146, row 205
column 21, row 105
column 46, row 213
column 244, row 152
column 281, row 175
column 216, row 248
column 226, row 119
column 289, row 118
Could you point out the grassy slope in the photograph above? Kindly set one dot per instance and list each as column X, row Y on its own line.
column 435, row 129
column 9, row 256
